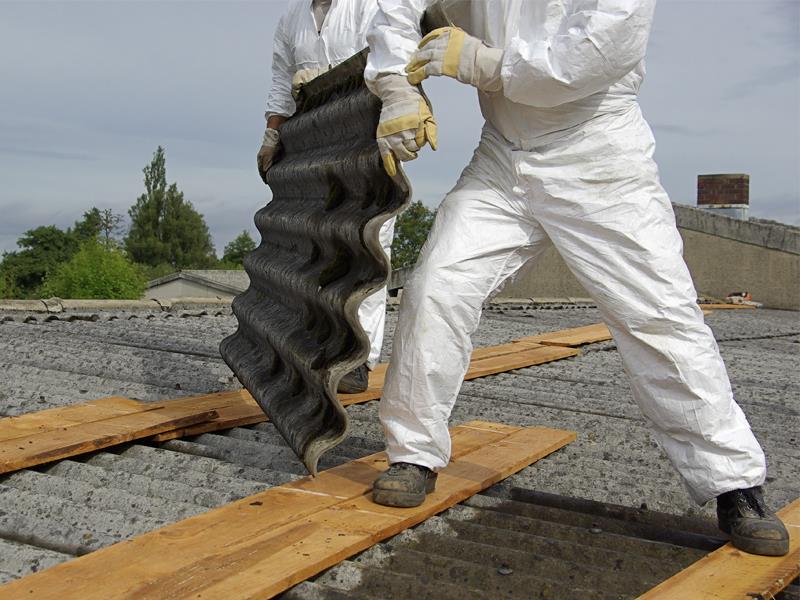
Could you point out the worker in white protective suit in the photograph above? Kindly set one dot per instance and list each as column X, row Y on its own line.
column 565, row 158
column 312, row 37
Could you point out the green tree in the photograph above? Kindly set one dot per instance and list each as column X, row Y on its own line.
column 96, row 223
column 110, row 226
column 97, row 270
column 165, row 228
column 41, row 251
column 89, row 227
column 236, row 249
column 410, row 233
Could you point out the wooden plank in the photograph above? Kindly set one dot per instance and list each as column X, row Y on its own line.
column 576, row 336
column 726, row 306
column 493, row 351
column 729, row 574
column 244, row 411
column 507, row 357
column 57, row 444
column 262, row 545
column 66, row 416
column 192, row 414
column 342, row 530
column 526, row 358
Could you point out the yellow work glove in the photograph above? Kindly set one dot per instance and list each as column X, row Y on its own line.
column 406, row 123
column 268, row 151
column 451, row 51
column 302, row 77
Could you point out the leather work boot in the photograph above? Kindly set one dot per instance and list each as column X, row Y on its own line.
column 403, row 485
column 752, row 526
column 354, row 382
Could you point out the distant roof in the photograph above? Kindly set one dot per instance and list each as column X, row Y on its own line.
column 225, row 280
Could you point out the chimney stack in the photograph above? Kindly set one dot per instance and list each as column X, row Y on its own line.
column 725, row 194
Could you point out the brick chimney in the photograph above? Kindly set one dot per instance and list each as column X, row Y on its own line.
column 726, row 194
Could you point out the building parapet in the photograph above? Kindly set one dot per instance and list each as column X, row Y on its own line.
column 775, row 236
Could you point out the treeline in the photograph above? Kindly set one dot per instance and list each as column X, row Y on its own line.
column 99, row 258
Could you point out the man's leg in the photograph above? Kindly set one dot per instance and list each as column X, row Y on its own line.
column 372, row 312
column 482, row 234
column 616, row 231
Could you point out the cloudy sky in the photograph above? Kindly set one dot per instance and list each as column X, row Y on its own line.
column 89, row 89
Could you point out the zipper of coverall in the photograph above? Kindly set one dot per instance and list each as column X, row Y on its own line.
column 322, row 27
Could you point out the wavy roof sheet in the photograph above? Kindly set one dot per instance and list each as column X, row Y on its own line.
column 319, row 258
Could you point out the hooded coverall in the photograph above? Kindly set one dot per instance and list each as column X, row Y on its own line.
column 565, row 158
column 302, row 43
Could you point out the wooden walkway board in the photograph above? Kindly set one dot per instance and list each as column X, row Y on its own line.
column 54, row 434
column 577, row 336
column 67, row 416
column 533, row 354
column 725, row 306
column 63, row 442
column 234, row 409
column 485, row 361
column 728, row 574
column 262, row 545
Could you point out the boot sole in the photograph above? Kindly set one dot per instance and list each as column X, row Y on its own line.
column 397, row 499
column 403, row 499
column 761, row 547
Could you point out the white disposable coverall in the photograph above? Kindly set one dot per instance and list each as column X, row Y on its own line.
column 299, row 45
column 566, row 158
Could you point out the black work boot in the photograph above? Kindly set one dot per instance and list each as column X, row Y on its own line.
column 403, row 485
column 354, row 382
column 753, row 527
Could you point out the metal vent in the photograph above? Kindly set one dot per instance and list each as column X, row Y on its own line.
column 319, row 257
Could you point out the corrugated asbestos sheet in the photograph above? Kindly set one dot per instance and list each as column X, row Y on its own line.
column 319, row 258
column 513, row 541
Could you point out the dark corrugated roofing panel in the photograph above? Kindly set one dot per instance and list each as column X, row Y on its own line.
column 320, row 256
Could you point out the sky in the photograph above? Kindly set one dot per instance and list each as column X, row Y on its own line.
column 89, row 89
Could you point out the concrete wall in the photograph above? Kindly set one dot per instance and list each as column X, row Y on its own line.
column 720, row 266
column 182, row 288
column 724, row 255
column 548, row 278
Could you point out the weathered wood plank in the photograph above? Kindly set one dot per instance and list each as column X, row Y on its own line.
column 729, row 574
column 56, row 444
column 66, row 416
column 576, row 336
column 262, row 545
column 235, row 409
column 726, row 306
column 231, row 409
column 515, row 355
column 528, row 357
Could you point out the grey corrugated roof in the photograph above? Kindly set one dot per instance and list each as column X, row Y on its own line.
column 52, row 513
column 227, row 280
column 235, row 278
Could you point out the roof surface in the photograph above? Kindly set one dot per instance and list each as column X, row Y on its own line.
column 535, row 535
